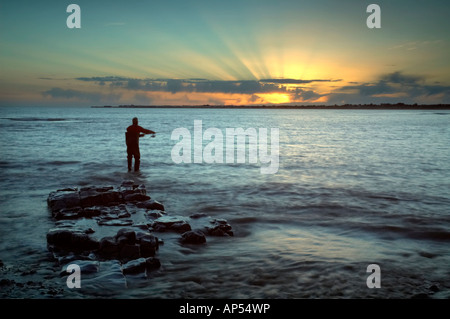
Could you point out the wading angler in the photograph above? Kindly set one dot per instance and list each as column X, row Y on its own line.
column 229, row 148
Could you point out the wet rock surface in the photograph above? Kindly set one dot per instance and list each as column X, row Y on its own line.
column 112, row 232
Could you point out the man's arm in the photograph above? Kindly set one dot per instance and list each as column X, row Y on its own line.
column 145, row 131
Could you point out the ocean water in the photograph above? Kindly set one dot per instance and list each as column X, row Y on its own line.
column 353, row 188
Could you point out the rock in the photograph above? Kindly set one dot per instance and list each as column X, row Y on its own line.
column 115, row 216
column 79, row 213
column 129, row 252
column 148, row 245
column 128, row 187
column 128, row 245
column 109, row 248
column 198, row 215
column 71, row 240
column 151, row 204
column 69, row 213
column 170, row 223
column 113, row 222
column 76, row 202
column 136, row 197
column 67, row 198
column 126, row 236
column 152, row 263
column 90, row 212
column 220, row 227
column 99, row 196
column 155, row 214
column 140, row 265
column 193, row 237
column 134, row 266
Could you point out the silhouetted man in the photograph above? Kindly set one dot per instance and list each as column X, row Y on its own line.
column 134, row 132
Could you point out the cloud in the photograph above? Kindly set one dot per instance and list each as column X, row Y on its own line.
column 202, row 85
column 391, row 88
column 79, row 95
column 306, row 95
column 400, row 78
column 294, row 81
column 395, row 87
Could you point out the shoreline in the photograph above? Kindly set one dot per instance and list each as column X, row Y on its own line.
column 398, row 106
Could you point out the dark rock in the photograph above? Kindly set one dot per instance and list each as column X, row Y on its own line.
column 113, row 222
column 72, row 240
column 155, row 214
column 198, row 215
column 136, row 197
column 193, row 237
column 151, row 204
column 129, row 252
column 123, row 215
column 126, row 236
column 140, row 189
column 434, row 288
column 69, row 213
column 94, row 211
column 128, row 187
column 180, row 227
column 148, row 245
column 84, row 242
column 109, row 248
column 68, row 198
column 170, row 223
column 152, row 263
column 89, row 231
column 140, row 265
column 220, row 227
column 134, row 266
column 98, row 196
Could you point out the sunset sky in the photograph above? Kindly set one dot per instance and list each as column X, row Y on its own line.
column 196, row 52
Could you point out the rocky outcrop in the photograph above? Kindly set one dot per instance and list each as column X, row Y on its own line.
column 96, row 225
column 70, row 203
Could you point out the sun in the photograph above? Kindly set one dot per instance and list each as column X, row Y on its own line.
column 275, row 98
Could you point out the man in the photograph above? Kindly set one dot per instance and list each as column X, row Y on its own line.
column 134, row 132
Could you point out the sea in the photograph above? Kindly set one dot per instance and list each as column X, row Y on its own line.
column 358, row 208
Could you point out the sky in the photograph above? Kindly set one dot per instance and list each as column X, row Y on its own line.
column 246, row 52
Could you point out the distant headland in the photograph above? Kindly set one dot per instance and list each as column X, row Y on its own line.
column 386, row 106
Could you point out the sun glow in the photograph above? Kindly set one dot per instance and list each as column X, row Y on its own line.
column 275, row 98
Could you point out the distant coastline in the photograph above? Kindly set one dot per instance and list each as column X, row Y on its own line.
column 387, row 106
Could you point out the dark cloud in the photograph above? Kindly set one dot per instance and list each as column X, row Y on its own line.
column 391, row 88
column 103, row 79
column 75, row 94
column 294, row 81
column 306, row 95
column 400, row 78
column 200, row 85
column 370, row 89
